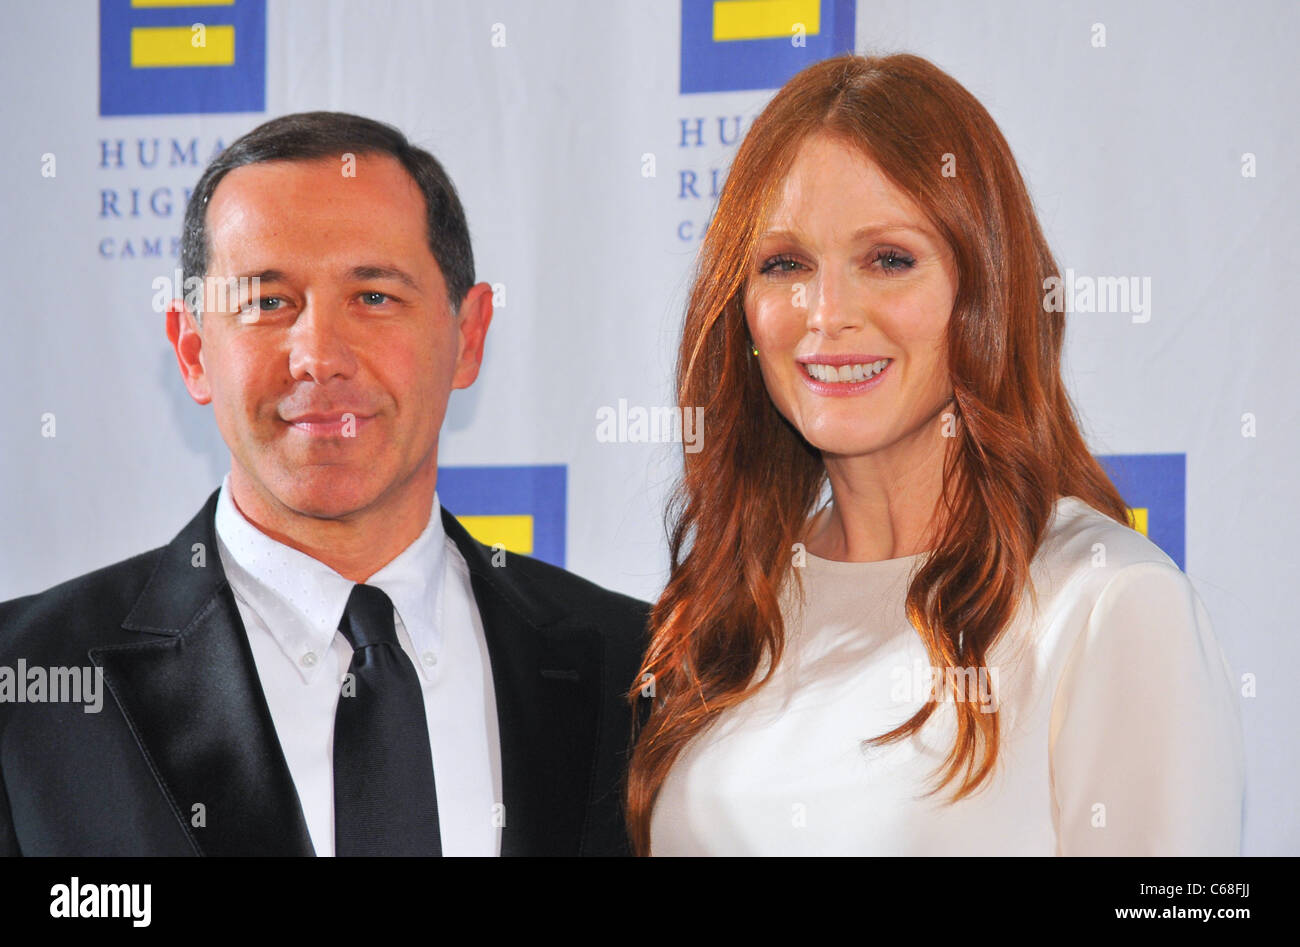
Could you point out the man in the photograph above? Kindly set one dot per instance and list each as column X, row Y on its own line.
column 324, row 660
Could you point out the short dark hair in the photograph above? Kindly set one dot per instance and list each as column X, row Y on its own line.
column 306, row 136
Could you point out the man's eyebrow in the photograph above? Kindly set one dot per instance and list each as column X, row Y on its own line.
column 265, row 276
column 382, row 271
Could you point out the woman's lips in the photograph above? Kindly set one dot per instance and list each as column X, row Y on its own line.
column 838, row 376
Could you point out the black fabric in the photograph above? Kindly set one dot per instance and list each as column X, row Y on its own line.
column 183, row 757
column 385, row 802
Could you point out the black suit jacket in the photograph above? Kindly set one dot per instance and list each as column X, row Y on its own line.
column 184, row 722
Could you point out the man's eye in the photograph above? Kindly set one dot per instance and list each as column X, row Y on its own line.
column 264, row 304
column 375, row 299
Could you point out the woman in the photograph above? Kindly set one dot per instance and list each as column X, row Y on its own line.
column 966, row 650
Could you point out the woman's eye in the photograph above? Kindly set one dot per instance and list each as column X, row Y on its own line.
column 780, row 264
column 893, row 261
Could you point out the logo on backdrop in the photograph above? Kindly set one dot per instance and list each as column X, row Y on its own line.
column 167, row 57
column 177, row 57
column 741, row 45
column 730, row 45
column 521, row 509
column 1155, row 488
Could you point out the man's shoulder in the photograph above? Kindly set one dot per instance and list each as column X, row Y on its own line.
column 547, row 593
column 576, row 595
column 76, row 613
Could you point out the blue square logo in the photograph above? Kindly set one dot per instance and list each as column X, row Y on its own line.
column 518, row 509
column 1155, row 488
column 174, row 57
column 730, row 45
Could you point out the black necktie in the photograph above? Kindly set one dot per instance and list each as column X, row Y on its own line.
column 384, row 797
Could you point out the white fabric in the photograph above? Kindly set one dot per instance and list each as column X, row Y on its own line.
column 1120, row 729
column 292, row 605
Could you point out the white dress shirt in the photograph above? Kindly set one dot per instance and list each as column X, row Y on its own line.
column 1119, row 722
column 292, row 604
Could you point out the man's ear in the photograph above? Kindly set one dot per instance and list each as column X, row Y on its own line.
column 187, row 341
column 472, row 325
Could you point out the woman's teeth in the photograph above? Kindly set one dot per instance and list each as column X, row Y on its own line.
column 842, row 374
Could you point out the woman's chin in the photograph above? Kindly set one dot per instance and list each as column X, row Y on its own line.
column 851, row 443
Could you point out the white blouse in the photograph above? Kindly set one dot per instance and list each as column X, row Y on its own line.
column 1120, row 732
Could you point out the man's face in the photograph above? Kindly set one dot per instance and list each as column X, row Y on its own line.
column 329, row 384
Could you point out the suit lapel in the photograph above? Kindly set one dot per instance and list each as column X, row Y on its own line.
column 546, row 676
column 189, row 690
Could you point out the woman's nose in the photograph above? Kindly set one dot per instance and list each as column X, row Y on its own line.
column 832, row 307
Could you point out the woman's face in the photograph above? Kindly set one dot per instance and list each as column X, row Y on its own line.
column 847, row 300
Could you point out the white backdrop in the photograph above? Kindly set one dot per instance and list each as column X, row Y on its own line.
column 545, row 114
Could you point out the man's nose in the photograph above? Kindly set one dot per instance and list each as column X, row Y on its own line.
column 833, row 306
column 318, row 347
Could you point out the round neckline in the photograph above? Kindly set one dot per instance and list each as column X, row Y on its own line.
column 839, row 565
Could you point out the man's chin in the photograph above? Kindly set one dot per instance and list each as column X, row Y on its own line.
column 326, row 495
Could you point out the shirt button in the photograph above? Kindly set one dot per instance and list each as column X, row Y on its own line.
column 309, row 659
column 429, row 659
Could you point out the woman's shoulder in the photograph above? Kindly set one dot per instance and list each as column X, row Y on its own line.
column 1079, row 531
column 1105, row 593
column 1085, row 551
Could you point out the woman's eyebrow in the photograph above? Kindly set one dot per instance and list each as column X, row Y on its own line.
column 862, row 233
column 875, row 230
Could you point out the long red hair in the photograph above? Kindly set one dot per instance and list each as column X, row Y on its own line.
column 744, row 501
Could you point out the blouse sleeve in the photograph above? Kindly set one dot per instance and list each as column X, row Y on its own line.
column 1146, row 743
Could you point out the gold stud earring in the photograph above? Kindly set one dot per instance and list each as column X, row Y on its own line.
column 753, row 349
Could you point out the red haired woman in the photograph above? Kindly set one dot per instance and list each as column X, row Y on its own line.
column 906, row 614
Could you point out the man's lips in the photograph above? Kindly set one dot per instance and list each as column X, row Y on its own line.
column 329, row 424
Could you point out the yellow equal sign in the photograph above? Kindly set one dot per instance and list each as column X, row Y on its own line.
column 182, row 3
column 1137, row 518
column 764, row 19
column 157, row 46
column 515, row 533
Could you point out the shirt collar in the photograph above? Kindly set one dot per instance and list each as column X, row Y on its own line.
column 301, row 600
